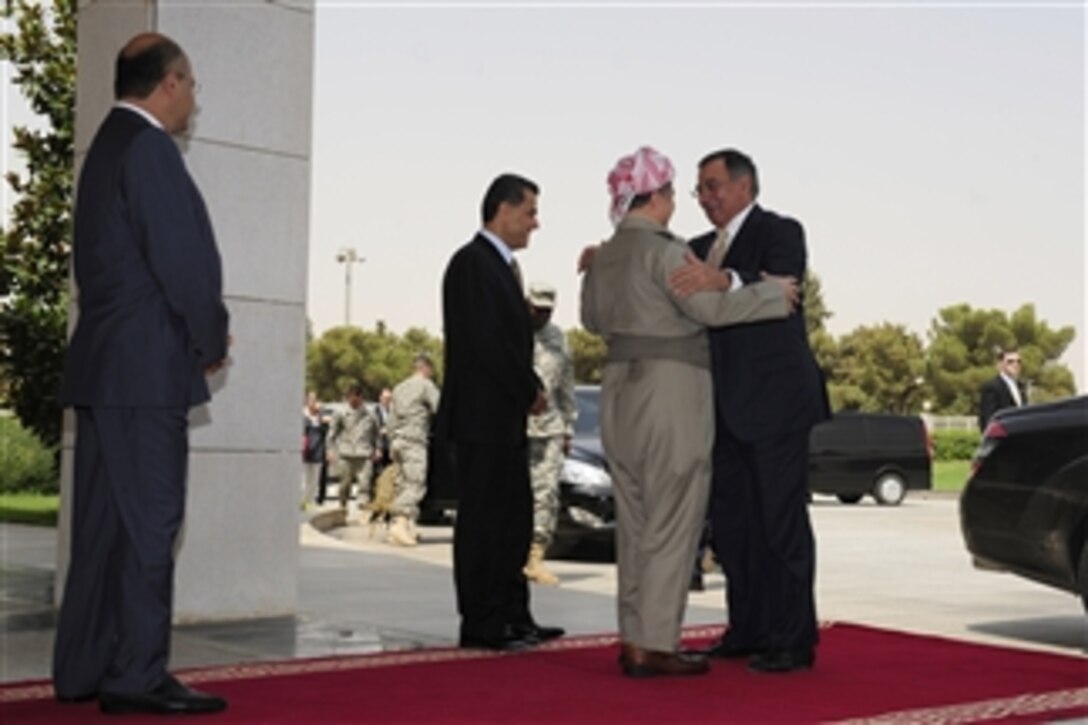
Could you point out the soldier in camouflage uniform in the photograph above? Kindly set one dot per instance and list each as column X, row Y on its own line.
column 415, row 401
column 352, row 440
column 550, row 432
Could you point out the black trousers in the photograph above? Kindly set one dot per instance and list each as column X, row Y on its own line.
column 491, row 537
column 763, row 537
column 113, row 633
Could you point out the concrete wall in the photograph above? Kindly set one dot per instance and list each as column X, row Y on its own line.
column 250, row 155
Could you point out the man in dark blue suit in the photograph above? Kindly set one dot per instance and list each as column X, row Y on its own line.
column 152, row 325
column 769, row 394
column 489, row 389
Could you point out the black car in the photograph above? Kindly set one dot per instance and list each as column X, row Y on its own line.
column 852, row 455
column 1025, row 506
column 857, row 454
column 586, row 508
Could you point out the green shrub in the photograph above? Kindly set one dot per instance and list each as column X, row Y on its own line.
column 955, row 445
column 26, row 464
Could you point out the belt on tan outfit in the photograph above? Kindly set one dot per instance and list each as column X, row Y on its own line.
column 693, row 350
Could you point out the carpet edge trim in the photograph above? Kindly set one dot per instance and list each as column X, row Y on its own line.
column 995, row 709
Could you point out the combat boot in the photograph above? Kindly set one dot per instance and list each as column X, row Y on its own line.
column 399, row 533
column 535, row 570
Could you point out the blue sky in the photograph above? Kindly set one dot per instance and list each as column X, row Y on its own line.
column 934, row 154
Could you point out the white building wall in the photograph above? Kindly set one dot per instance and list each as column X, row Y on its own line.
column 250, row 155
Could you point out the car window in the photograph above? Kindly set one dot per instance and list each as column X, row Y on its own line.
column 588, row 423
column 897, row 433
column 844, row 431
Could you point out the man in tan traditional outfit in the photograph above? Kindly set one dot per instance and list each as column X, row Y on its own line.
column 657, row 415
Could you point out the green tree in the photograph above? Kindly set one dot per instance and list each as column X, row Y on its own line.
column 587, row 352
column 36, row 243
column 962, row 355
column 879, row 368
column 374, row 359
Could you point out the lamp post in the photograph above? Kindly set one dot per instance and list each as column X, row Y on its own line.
column 348, row 256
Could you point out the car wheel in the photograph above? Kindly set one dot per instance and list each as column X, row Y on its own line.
column 1082, row 576
column 889, row 489
column 849, row 497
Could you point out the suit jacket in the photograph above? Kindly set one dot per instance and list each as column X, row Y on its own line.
column 997, row 396
column 151, row 313
column 489, row 382
column 765, row 378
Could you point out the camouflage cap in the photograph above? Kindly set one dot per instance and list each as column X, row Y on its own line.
column 542, row 295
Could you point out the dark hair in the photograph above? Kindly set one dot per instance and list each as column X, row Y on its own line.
column 137, row 74
column 737, row 164
column 639, row 200
column 1003, row 351
column 355, row 389
column 510, row 188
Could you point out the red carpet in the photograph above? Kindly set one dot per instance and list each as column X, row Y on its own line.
column 861, row 674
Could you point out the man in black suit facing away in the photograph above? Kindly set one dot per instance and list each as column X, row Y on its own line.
column 769, row 394
column 489, row 390
column 1003, row 391
column 152, row 325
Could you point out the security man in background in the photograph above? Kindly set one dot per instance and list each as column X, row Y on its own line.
column 549, row 432
column 415, row 401
column 1005, row 390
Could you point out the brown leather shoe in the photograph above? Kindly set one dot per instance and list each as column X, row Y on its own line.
column 638, row 662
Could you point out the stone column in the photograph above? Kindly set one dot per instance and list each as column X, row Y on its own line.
column 250, row 155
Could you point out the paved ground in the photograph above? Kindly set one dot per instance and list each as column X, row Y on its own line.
column 903, row 568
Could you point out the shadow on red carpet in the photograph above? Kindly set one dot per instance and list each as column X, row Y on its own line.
column 861, row 674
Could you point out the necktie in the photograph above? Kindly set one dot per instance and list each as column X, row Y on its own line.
column 1014, row 391
column 517, row 273
column 718, row 249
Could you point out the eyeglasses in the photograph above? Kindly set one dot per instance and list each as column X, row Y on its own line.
column 709, row 187
column 1013, row 361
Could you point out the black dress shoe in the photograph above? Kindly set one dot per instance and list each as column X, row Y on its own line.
column 535, row 633
column 783, row 660
column 508, row 640
column 77, row 698
column 725, row 650
column 169, row 698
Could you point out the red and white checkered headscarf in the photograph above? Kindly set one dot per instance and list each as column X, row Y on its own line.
column 644, row 171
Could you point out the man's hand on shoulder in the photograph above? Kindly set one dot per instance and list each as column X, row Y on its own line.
column 585, row 259
column 695, row 275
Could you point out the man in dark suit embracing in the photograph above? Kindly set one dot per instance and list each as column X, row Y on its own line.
column 152, row 325
column 489, row 390
column 769, row 393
